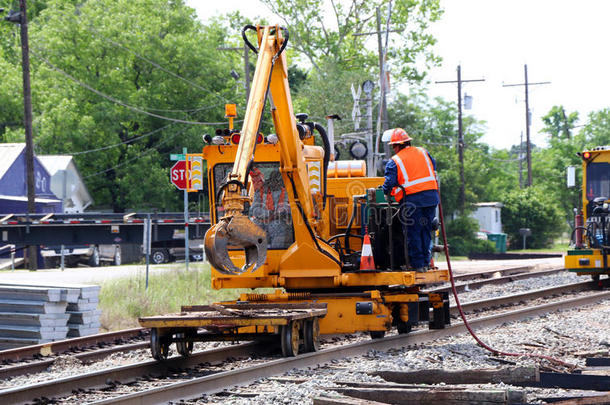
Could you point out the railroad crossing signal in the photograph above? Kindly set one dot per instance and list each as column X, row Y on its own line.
column 195, row 174
column 191, row 181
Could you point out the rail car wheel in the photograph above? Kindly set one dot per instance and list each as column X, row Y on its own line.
column 184, row 347
column 438, row 319
column 377, row 334
column 404, row 327
column 290, row 339
column 311, row 335
column 159, row 347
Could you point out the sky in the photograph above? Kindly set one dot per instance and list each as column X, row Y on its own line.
column 561, row 41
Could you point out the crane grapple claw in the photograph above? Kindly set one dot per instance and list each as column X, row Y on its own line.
column 235, row 232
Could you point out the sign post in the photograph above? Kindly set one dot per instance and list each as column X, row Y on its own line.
column 186, row 216
column 146, row 243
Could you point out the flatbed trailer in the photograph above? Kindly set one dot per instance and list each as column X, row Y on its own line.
column 292, row 323
column 88, row 231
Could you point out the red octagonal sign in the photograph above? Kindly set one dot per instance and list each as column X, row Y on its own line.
column 177, row 174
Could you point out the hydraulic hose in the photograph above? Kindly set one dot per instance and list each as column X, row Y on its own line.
column 467, row 325
column 348, row 230
column 326, row 142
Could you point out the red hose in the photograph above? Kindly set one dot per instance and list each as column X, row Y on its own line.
column 467, row 325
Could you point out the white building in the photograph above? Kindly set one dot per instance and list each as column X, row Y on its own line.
column 66, row 182
column 489, row 216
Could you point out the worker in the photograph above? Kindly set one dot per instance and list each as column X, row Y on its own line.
column 414, row 169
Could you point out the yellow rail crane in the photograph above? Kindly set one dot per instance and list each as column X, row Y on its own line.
column 591, row 235
column 284, row 216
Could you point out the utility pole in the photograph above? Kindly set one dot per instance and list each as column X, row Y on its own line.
column 459, row 81
column 382, row 118
column 383, row 114
column 521, row 161
column 246, row 52
column 527, row 122
column 21, row 18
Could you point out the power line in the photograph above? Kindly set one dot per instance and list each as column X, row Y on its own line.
column 123, row 143
column 119, row 102
column 147, row 151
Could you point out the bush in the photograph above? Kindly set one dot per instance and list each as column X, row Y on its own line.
column 534, row 209
column 462, row 237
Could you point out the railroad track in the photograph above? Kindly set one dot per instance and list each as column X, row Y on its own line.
column 194, row 385
column 37, row 358
column 68, row 345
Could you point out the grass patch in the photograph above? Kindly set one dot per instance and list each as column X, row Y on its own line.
column 123, row 300
column 442, row 259
column 556, row 248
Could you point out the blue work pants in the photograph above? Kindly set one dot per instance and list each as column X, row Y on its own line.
column 417, row 225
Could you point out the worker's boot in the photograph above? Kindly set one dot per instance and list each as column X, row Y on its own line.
column 421, row 269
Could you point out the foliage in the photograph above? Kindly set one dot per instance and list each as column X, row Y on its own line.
column 462, row 239
column 532, row 208
column 110, row 89
column 559, row 124
column 324, row 41
column 112, row 79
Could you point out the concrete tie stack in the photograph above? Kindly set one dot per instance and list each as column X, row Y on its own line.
column 84, row 315
column 33, row 314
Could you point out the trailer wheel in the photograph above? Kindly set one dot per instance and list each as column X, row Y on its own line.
column 311, row 335
column 50, row 262
column 184, row 348
column 159, row 256
column 94, row 259
column 159, row 347
column 290, row 339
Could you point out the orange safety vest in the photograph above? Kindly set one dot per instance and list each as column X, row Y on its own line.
column 420, row 174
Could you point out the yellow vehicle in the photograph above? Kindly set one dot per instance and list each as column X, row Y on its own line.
column 591, row 236
column 285, row 217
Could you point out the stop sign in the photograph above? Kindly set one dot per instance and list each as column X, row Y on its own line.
column 177, row 174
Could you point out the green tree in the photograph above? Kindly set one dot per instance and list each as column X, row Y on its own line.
column 558, row 124
column 532, row 208
column 325, row 41
column 121, row 84
column 597, row 129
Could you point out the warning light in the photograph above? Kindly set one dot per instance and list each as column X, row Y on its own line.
column 230, row 110
column 586, row 155
column 259, row 138
column 235, row 138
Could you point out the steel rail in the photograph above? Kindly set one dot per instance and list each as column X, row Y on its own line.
column 217, row 382
column 499, row 280
column 62, row 346
column 506, row 271
column 528, row 295
column 85, row 357
column 495, row 302
column 126, row 374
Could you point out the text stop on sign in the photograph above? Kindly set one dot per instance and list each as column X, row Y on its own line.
column 178, row 174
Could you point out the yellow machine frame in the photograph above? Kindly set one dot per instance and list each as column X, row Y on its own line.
column 588, row 260
column 309, row 270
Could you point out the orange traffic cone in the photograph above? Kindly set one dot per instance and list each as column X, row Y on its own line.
column 366, row 258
